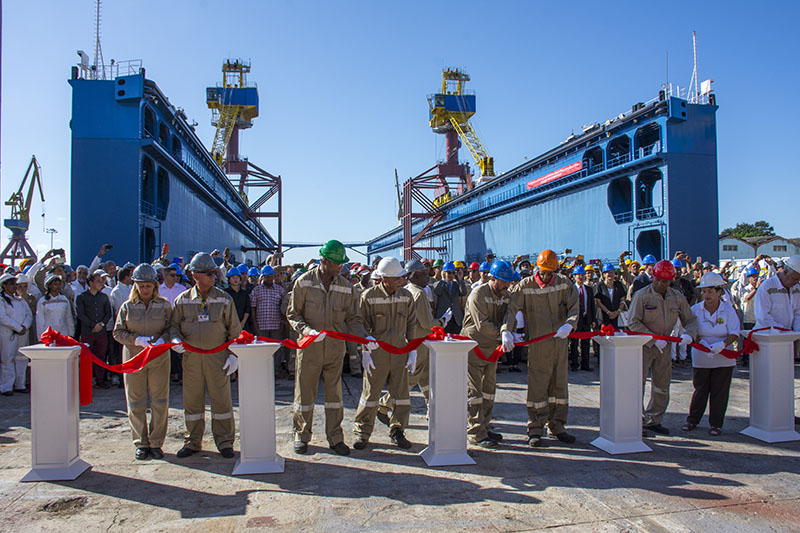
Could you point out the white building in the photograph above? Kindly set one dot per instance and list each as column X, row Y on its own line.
column 731, row 248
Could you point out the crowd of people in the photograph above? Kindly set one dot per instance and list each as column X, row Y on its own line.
column 118, row 311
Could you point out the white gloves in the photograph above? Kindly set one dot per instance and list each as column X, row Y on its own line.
column 660, row 344
column 158, row 341
column 686, row 339
column 372, row 345
column 412, row 361
column 564, row 331
column 321, row 334
column 366, row 362
column 507, row 339
column 142, row 341
column 518, row 337
column 232, row 364
column 178, row 346
column 717, row 347
column 446, row 317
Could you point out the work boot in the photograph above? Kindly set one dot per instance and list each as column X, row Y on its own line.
column 156, row 453
column 400, row 439
column 497, row 437
column 341, row 448
column 565, row 437
column 486, row 443
column 383, row 417
column 142, row 453
column 185, row 452
column 300, row 447
column 658, row 428
column 227, row 453
column 535, row 441
column 360, row 443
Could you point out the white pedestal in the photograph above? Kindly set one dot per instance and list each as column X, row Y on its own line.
column 621, row 394
column 772, row 387
column 447, row 427
column 257, row 409
column 55, row 410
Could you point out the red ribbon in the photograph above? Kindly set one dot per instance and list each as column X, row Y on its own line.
column 153, row 351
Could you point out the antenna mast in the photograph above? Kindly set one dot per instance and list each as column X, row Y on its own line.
column 98, row 50
column 694, row 95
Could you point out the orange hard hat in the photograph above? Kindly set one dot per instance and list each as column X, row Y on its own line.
column 547, row 260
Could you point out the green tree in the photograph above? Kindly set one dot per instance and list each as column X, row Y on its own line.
column 761, row 228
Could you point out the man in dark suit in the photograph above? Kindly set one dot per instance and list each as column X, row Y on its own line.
column 646, row 277
column 586, row 313
column 610, row 296
column 447, row 294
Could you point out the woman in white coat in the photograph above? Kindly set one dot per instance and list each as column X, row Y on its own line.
column 15, row 319
column 54, row 309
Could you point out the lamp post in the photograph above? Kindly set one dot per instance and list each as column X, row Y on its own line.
column 51, row 231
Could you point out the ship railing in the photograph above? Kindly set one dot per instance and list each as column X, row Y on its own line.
column 617, row 161
column 647, row 213
column 644, row 151
column 115, row 69
column 622, row 218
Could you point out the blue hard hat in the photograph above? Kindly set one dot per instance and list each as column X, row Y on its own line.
column 752, row 271
column 608, row 267
column 25, row 270
column 449, row 267
column 677, row 263
column 486, row 266
column 233, row 271
column 502, row 270
column 177, row 268
column 242, row 268
column 252, row 272
column 267, row 270
column 649, row 259
column 579, row 270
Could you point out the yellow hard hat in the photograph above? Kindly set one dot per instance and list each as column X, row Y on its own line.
column 589, row 267
column 635, row 263
column 459, row 264
column 628, row 261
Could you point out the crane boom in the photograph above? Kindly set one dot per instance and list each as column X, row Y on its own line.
column 21, row 205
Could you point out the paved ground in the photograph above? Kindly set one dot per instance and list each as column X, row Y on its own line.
column 690, row 482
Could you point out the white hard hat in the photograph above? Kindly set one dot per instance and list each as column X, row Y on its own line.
column 793, row 263
column 23, row 278
column 711, row 279
column 390, row 267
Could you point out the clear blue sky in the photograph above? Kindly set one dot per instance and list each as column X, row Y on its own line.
column 343, row 85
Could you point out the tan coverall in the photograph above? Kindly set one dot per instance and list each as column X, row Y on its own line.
column 483, row 318
column 135, row 319
column 424, row 323
column 311, row 306
column 391, row 319
column 203, row 372
column 653, row 313
column 545, row 309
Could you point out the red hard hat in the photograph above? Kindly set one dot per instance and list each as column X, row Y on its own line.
column 474, row 266
column 664, row 270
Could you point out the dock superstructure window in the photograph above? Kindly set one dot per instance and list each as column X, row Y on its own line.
column 176, row 147
column 618, row 151
column 148, row 244
column 647, row 140
column 593, row 160
column 162, row 199
column 163, row 135
column 148, row 186
column 149, row 122
column 649, row 194
column 620, row 200
column 649, row 242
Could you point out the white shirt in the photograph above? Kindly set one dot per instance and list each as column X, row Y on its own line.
column 55, row 313
column 713, row 328
column 119, row 295
column 776, row 305
column 77, row 288
column 171, row 294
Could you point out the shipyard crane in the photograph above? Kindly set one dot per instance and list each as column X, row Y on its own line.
column 233, row 105
column 18, row 247
column 451, row 109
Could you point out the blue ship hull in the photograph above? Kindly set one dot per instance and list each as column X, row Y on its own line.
column 141, row 178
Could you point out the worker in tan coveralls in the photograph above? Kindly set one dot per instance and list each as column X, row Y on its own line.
column 424, row 322
column 322, row 300
column 142, row 320
column 549, row 302
column 483, row 317
column 388, row 313
column 205, row 317
column 655, row 309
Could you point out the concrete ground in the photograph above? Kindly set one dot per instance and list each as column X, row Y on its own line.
column 690, row 482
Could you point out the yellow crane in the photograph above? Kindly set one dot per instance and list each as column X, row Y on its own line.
column 451, row 109
column 233, row 105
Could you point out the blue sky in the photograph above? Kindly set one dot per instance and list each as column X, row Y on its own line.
column 343, row 84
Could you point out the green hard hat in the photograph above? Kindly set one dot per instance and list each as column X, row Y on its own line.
column 438, row 263
column 333, row 250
